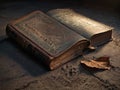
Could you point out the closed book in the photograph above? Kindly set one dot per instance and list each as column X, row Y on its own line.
column 53, row 43
column 96, row 32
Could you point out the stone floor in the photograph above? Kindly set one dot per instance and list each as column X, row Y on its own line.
column 20, row 71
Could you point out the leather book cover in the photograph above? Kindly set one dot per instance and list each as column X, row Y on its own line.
column 98, row 33
column 53, row 42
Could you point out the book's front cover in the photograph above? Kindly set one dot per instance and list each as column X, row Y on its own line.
column 46, row 33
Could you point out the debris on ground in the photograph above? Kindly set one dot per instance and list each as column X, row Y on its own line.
column 91, row 48
column 99, row 63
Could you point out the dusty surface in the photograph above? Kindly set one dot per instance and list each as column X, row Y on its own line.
column 20, row 71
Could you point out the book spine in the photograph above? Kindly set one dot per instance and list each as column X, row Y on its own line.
column 27, row 46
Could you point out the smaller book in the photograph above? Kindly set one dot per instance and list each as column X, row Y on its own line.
column 96, row 32
column 52, row 42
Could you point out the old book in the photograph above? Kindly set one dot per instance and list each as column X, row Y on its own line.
column 51, row 41
column 96, row 32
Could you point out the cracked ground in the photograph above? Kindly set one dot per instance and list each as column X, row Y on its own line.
column 21, row 71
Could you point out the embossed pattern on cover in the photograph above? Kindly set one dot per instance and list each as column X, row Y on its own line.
column 47, row 33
